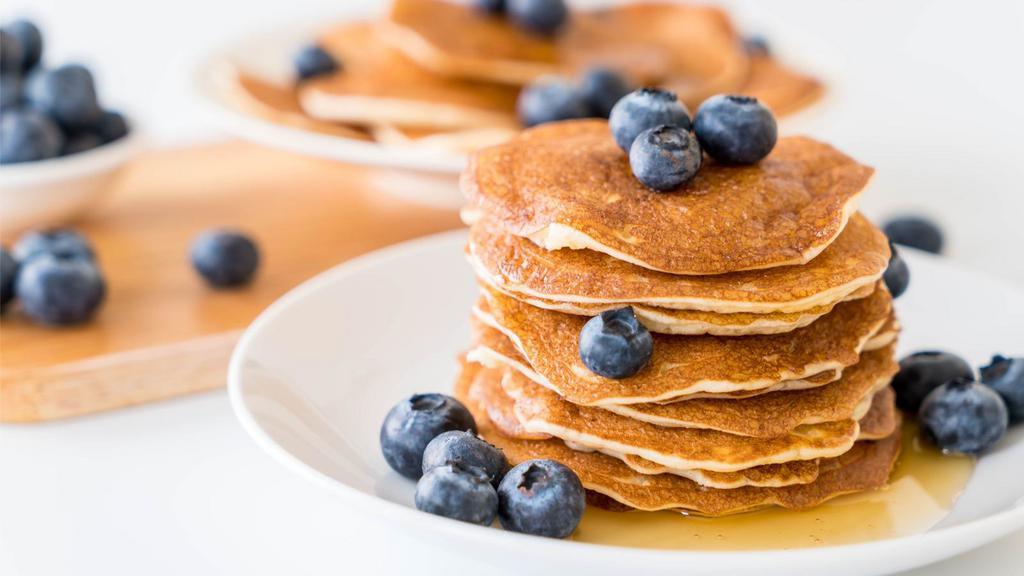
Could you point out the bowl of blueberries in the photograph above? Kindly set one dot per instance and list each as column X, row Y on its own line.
column 60, row 149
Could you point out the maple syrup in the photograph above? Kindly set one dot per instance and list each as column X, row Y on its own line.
column 922, row 490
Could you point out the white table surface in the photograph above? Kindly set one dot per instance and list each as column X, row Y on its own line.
column 923, row 90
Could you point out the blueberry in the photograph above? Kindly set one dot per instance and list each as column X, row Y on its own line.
column 65, row 243
column 922, row 372
column 550, row 99
column 665, row 157
column 10, row 91
column 8, row 271
column 614, row 344
column 27, row 136
column 311, row 61
column 412, row 423
column 963, row 416
column 458, row 492
column 756, row 45
column 467, row 450
column 643, row 109
column 542, row 17
column 542, row 498
column 602, row 88
column 11, row 53
column 67, row 94
column 1006, row 376
column 30, row 40
column 490, row 6
column 111, row 126
column 897, row 274
column 58, row 289
column 735, row 129
column 916, row 232
column 225, row 258
column 80, row 142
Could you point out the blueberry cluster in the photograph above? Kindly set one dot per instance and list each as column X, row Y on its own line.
column 554, row 98
column 666, row 148
column 54, row 276
column 542, row 17
column 958, row 413
column 47, row 112
column 432, row 438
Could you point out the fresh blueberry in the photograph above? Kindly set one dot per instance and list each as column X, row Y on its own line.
column 1006, row 376
column 80, row 142
column 467, row 450
column 897, row 274
column 8, row 271
column 111, row 126
column 963, row 416
column 10, row 53
column 225, row 258
column 59, row 290
column 756, row 45
column 458, row 492
column 602, row 88
column 490, row 6
column 916, row 232
column 614, row 344
column 27, row 136
column 735, row 129
column 67, row 94
column 542, row 498
column 644, row 109
column 312, row 61
column 30, row 39
column 542, row 17
column 922, row 372
column 412, row 423
column 10, row 91
column 550, row 99
column 665, row 157
column 65, row 243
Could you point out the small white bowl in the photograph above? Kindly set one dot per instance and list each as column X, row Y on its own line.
column 49, row 192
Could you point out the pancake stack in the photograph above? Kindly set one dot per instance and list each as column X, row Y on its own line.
column 773, row 334
column 440, row 74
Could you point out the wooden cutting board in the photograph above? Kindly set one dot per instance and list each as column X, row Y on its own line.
column 162, row 332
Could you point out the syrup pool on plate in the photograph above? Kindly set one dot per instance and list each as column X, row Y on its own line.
column 922, row 490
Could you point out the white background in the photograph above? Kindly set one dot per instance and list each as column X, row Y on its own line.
column 926, row 91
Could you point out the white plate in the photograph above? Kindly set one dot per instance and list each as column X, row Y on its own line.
column 314, row 375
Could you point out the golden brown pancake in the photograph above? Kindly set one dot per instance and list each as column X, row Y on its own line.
column 279, row 104
column 865, row 467
column 378, row 85
column 883, row 418
column 856, row 260
column 692, row 49
column 684, row 365
column 568, row 185
column 459, row 140
column 779, row 88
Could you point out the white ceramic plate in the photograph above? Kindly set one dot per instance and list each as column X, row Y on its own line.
column 314, row 375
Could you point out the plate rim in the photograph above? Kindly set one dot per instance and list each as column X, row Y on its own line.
column 951, row 540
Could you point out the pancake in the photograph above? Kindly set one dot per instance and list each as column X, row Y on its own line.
column 685, row 365
column 378, row 85
column 883, row 418
column 568, row 185
column 855, row 261
column 693, row 48
column 459, row 140
column 277, row 103
column 864, row 467
column 781, row 89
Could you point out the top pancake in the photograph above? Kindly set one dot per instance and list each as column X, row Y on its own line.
column 515, row 265
column 376, row 84
column 692, row 49
column 568, row 185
